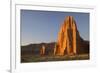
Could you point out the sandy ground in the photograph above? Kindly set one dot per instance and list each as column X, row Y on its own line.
column 38, row 58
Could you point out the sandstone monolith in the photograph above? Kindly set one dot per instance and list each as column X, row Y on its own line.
column 68, row 36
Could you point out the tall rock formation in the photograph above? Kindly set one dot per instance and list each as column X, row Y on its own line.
column 68, row 38
column 42, row 50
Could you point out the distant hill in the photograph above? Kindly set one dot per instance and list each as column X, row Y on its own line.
column 34, row 49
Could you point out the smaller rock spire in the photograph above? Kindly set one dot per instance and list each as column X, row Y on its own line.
column 42, row 50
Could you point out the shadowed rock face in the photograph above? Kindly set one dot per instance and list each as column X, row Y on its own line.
column 69, row 40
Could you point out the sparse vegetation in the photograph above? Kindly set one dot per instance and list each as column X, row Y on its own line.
column 38, row 58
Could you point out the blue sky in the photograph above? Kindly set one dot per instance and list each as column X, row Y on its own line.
column 43, row 26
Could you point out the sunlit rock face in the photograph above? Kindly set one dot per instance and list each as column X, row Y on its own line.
column 42, row 50
column 68, row 38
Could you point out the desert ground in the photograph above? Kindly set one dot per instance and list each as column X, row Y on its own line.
column 50, row 58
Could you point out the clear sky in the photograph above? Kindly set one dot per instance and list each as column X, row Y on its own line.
column 43, row 26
